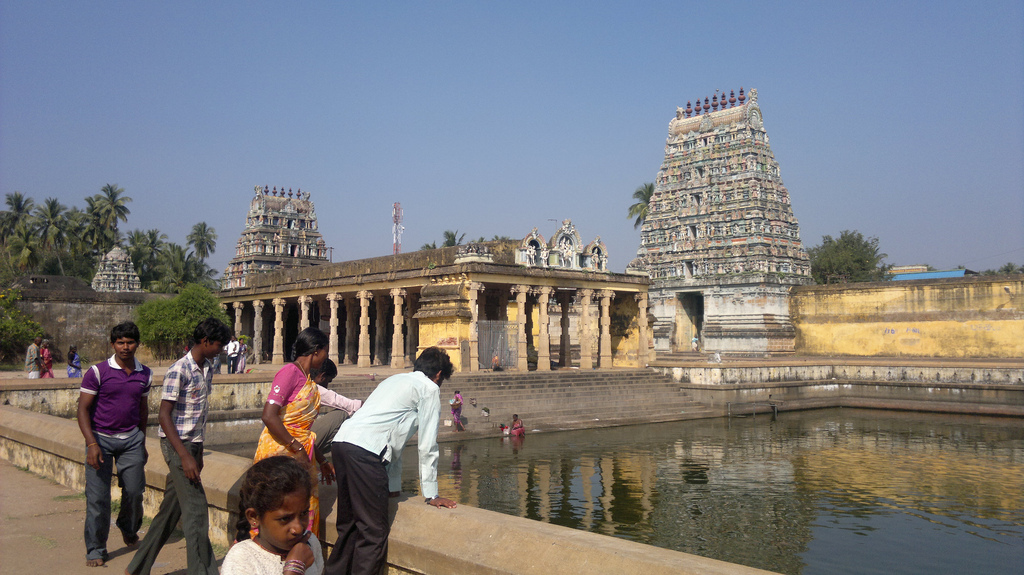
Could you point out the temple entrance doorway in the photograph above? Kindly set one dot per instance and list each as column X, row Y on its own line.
column 497, row 344
column 689, row 320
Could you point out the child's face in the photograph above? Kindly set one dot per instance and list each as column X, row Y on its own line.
column 283, row 527
column 207, row 350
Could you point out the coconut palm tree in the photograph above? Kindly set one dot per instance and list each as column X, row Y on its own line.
column 452, row 238
column 203, row 240
column 24, row 247
column 145, row 248
column 112, row 205
column 51, row 225
column 101, row 232
column 19, row 209
column 430, row 246
column 179, row 267
column 639, row 210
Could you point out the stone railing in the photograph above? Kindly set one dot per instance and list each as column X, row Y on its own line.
column 421, row 538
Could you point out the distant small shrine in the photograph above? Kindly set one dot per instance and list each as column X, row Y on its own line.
column 564, row 251
column 280, row 232
column 116, row 273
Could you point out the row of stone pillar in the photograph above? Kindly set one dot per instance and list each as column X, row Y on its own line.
column 361, row 351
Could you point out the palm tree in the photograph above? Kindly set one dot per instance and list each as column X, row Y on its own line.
column 145, row 248
column 430, row 246
column 51, row 224
column 112, row 205
column 178, row 268
column 19, row 209
column 203, row 240
column 640, row 209
column 101, row 232
column 24, row 247
column 452, row 238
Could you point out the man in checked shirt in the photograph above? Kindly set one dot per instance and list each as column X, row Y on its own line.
column 183, row 407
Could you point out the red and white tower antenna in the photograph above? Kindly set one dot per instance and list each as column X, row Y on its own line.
column 397, row 227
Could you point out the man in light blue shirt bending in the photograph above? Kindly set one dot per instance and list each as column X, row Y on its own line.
column 367, row 453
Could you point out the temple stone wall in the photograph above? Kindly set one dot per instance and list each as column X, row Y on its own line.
column 70, row 313
column 980, row 316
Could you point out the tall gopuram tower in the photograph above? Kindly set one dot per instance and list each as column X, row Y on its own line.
column 280, row 232
column 720, row 241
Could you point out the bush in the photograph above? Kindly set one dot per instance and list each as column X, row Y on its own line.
column 167, row 325
column 17, row 330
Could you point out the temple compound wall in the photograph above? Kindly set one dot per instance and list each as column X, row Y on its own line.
column 529, row 304
column 720, row 241
column 976, row 316
column 72, row 313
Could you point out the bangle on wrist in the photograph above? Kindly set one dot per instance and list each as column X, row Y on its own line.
column 294, row 566
column 291, row 446
column 91, row 444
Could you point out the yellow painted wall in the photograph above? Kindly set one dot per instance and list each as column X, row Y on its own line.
column 980, row 316
column 625, row 331
column 445, row 333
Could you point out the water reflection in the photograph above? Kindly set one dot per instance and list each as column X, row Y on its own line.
column 827, row 491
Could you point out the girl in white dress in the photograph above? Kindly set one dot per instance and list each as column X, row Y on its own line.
column 275, row 499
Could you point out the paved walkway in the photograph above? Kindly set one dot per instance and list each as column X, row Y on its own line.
column 41, row 531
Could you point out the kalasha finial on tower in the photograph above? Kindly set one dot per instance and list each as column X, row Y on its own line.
column 742, row 96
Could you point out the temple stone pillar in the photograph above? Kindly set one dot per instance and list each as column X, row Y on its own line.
column 351, row 335
column 586, row 344
column 278, row 357
column 397, row 341
column 643, row 336
column 332, row 346
column 502, row 306
column 474, row 334
column 381, row 331
column 565, row 338
column 238, row 305
column 364, row 328
column 604, row 348
column 543, row 338
column 520, row 292
column 412, row 338
column 257, row 331
column 304, row 301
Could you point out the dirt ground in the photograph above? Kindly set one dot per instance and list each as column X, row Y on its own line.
column 41, row 526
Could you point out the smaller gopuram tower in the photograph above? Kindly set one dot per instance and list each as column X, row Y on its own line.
column 116, row 273
column 280, row 232
column 720, row 242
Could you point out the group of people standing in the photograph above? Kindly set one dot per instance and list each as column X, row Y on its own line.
column 39, row 360
column 280, row 509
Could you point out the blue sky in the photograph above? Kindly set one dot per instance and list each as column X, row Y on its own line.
column 901, row 120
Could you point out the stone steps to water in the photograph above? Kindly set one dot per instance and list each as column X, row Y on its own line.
column 561, row 399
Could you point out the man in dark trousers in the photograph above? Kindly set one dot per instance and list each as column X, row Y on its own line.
column 184, row 405
column 112, row 414
column 367, row 455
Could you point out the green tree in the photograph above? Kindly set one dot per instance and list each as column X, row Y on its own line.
column 167, row 324
column 51, row 222
column 178, row 268
column 430, row 246
column 203, row 240
column 112, row 205
column 19, row 210
column 16, row 328
column 849, row 258
column 145, row 249
column 452, row 238
column 24, row 247
column 641, row 208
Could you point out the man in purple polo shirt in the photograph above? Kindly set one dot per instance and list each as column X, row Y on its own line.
column 112, row 414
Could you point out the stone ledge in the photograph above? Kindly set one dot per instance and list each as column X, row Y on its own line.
column 422, row 538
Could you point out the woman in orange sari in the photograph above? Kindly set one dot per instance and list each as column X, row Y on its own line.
column 292, row 406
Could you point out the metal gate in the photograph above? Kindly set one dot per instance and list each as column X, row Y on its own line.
column 498, row 339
